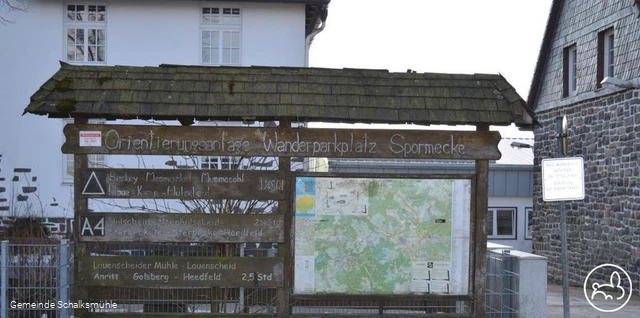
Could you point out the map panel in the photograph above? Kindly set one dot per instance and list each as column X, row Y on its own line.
column 381, row 236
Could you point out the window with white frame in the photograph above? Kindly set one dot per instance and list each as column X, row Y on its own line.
column 605, row 54
column 85, row 28
column 94, row 160
column 529, row 226
column 570, row 71
column 219, row 162
column 220, row 31
column 501, row 223
column 573, row 70
column 608, row 53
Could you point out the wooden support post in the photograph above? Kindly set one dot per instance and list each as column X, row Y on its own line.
column 80, row 205
column 285, row 249
column 480, row 237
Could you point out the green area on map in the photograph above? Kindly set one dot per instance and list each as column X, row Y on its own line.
column 365, row 234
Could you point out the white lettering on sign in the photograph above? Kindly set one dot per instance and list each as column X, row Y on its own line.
column 92, row 226
column 341, row 144
column 151, row 277
column 113, row 140
column 90, row 139
column 400, row 147
column 112, row 276
column 353, row 144
column 144, row 272
column 250, row 277
column 202, row 276
column 299, row 142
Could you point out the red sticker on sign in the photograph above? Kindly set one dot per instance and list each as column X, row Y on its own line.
column 90, row 139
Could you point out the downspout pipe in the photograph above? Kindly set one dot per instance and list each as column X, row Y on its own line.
column 316, row 30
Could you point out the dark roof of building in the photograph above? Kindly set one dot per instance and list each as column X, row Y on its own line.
column 283, row 1
column 274, row 93
column 543, row 55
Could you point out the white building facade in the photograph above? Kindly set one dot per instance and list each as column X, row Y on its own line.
column 36, row 176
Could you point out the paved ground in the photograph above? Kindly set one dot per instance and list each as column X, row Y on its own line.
column 581, row 308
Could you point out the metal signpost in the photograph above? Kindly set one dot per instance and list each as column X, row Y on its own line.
column 563, row 180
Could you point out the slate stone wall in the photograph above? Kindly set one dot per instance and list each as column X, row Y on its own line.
column 579, row 23
column 605, row 227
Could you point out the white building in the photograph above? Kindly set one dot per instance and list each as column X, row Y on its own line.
column 36, row 176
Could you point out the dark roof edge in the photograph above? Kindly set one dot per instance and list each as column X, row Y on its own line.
column 427, row 75
column 543, row 55
column 507, row 104
column 528, row 122
column 284, row 1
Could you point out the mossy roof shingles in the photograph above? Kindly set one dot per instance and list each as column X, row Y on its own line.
column 273, row 93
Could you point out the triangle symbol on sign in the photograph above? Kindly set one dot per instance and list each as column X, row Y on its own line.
column 93, row 185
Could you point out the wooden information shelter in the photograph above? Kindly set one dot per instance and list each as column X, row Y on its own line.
column 280, row 96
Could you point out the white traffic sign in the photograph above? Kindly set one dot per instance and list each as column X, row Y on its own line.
column 563, row 179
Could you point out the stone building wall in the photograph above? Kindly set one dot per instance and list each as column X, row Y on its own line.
column 605, row 227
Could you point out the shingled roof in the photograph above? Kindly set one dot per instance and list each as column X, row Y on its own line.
column 543, row 54
column 274, row 93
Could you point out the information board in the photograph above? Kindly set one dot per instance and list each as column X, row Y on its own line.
column 381, row 236
column 563, row 179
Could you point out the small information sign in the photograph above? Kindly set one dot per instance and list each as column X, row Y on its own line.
column 90, row 139
column 563, row 179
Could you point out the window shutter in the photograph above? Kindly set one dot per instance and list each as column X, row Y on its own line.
column 565, row 72
column 601, row 62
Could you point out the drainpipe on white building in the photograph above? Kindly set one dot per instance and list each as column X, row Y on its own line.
column 309, row 38
column 310, row 164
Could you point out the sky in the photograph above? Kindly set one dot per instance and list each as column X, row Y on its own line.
column 441, row 36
